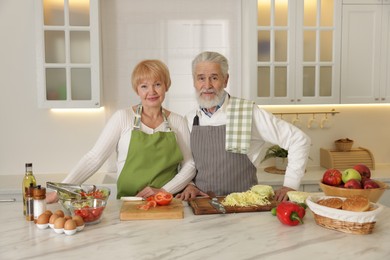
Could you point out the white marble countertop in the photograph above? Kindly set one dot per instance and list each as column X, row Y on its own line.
column 233, row 236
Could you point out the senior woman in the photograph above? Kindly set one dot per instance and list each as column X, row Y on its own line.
column 152, row 143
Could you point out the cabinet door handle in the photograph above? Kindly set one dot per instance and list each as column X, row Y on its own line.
column 383, row 99
column 376, row 99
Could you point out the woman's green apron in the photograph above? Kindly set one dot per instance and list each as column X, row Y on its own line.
column 152, row 159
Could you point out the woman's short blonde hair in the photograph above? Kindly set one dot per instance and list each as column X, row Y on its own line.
column 150, row 69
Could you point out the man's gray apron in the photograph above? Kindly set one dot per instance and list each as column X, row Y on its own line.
column 218, row 170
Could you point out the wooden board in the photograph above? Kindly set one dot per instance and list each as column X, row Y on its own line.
column 201, row 206
column 129, row 211
column 345, row 160
column 274, row 170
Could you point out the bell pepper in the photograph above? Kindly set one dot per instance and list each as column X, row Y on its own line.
column 290, row 213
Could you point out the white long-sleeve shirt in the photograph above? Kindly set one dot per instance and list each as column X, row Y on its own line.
column 116, row 136
column 267, row 128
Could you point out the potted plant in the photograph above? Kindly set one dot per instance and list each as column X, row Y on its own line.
column 279, row 154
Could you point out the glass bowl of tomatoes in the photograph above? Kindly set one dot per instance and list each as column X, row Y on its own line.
column 91, row 210
column 82, row 192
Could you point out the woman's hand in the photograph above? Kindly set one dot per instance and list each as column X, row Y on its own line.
column 51, row 197
column 191, row 191
column 281, row 194
column 149, row 191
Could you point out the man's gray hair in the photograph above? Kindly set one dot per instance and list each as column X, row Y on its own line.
column 212, row 57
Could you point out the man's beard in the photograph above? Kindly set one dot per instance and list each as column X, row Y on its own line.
column 209, row 103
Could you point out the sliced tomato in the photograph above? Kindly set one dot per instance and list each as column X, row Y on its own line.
column 152, row 203
column 143, row 206
column 150, row 198
column 163, row 198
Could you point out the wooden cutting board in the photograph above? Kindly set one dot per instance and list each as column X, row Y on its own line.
column 201, row 206
column 129, row 211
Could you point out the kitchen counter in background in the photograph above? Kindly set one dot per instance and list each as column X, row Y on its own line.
column 257, row 235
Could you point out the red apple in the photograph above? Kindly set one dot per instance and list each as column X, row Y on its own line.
column 332, row 177
column 370, row 184
column 364, row 179
column 353, row 184
column 363, row 170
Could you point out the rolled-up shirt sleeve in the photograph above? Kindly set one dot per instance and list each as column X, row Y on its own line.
column 268, row 128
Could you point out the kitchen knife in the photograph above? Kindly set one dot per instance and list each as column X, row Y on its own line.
column 215, row 203
column 132, row 198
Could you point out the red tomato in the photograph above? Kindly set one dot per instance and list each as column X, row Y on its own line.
column 84, row 212
column 150, row 198
column 152, row 203
column 89, row 214
column 96, row 212
column 98, row 194
column 163, row 198
column 143, row 206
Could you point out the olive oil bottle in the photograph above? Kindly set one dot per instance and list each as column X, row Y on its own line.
column 28, row 179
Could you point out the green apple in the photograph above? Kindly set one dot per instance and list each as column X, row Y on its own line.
column 350, row 174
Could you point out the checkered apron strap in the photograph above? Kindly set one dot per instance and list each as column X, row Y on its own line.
column 239, row 124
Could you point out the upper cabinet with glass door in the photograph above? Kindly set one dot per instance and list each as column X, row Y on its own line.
column 68, row 53
column 298, row 51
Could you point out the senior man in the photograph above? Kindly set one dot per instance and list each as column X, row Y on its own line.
column 228, row 133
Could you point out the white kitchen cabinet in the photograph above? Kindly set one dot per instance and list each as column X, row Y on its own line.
column 294, row 57
column 68, row 53
column 365, row 68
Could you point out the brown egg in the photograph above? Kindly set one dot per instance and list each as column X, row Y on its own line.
column 60, row 213
column 43, row 219
column 48, row 212
column 70, row 224
column 53, row 218
column 79, row 220
column 67, row 217
column 59, row 223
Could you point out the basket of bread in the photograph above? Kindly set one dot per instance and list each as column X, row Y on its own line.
column 353, row 214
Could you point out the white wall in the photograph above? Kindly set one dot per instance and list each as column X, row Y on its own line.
column 53, row 142
column 133, row 30
column 173, row 31
column 367, row 125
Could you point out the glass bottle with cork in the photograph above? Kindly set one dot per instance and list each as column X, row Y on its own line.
column 28, row 179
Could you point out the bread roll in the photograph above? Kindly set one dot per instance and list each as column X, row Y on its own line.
column 356, row 203
column 335, row 203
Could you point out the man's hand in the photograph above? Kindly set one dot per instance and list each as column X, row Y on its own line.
column 281, row 194
column 191, row 191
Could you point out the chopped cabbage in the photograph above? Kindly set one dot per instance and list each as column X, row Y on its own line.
column 258, row 195
column 263, row 190
column 298, row 196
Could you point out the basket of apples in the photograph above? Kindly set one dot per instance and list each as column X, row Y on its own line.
column 352, row 181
